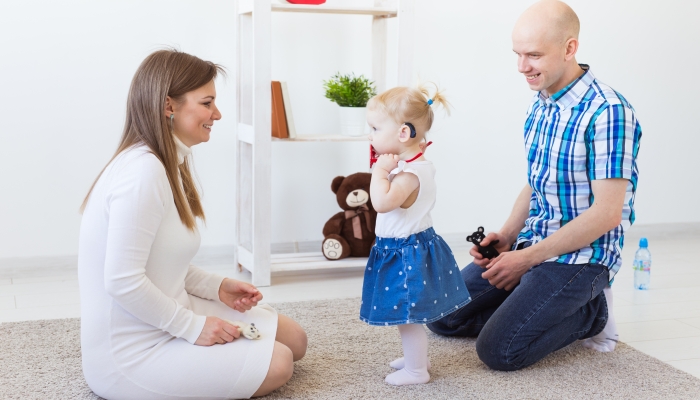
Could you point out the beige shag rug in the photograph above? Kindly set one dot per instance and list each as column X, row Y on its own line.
column 347, row 359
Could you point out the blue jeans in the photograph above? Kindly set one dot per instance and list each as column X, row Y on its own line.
column 553, row 305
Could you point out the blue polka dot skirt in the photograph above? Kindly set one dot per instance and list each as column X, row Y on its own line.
column 413, row 280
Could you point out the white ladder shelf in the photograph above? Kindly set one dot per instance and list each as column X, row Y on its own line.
column 253, row 117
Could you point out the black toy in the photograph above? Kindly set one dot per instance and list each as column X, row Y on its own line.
column 486, row 251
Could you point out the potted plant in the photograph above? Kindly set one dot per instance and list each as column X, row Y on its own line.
column 351, row 93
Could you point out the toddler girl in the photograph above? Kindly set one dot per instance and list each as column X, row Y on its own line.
column 411, row 277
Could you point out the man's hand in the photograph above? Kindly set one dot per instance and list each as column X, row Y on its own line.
column 505, row 271
column 239, row 295
column 502, row 247
column 217, row 331
column 387, row 162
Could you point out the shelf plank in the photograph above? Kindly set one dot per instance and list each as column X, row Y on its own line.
column 326, row 9
column 312, row 261
column 290, row 256
column 323, row 138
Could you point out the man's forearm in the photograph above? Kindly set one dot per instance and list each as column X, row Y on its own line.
column 516, row 221
column 577, row 234
column 604, row 215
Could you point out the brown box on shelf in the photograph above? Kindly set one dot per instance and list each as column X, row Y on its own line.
column 279, row 118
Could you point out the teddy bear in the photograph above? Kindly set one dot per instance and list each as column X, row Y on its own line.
column 486, row 251
column 248, row 331
column 350, row 233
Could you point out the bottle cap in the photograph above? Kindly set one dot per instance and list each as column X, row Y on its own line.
column 643, row 242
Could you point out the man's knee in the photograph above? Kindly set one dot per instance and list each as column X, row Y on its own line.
column 496, row 354
column 499, row 348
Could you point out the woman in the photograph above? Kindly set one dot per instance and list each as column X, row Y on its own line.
column 153, row 326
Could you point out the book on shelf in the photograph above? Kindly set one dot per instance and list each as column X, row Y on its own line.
column 291, row 129
column 282, row 121
column 279, row 119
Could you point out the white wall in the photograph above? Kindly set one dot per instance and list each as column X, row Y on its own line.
column 65, row 69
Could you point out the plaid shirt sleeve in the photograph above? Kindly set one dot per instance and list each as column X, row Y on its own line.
column 613, row 142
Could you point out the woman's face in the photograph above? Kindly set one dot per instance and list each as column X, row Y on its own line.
column 195, row 115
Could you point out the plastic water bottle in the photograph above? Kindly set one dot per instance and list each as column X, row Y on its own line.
column 642, row 265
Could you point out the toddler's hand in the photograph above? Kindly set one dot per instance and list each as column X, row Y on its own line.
column 387, row 162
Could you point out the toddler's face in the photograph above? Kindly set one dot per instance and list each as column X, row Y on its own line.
column 384, row 133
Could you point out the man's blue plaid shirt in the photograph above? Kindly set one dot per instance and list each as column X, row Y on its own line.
column 584, row 132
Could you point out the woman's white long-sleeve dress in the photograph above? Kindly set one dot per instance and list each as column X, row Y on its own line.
column 143, row 305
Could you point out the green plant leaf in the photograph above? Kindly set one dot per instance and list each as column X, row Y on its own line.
column 349, row 90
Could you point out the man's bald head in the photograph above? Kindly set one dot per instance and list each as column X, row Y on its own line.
column 545, row 38
column 549, row 20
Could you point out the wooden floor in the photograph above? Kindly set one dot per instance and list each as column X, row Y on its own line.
column 663, row 322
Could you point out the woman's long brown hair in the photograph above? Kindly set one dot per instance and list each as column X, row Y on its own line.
column 164, row 73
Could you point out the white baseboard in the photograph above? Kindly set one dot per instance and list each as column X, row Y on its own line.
column 13, row 267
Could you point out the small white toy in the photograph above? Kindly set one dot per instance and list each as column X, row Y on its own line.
column 249, row 331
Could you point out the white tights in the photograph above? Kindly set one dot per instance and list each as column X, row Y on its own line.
column 415, row 352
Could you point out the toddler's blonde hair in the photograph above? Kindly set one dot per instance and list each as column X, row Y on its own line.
column 410, row 104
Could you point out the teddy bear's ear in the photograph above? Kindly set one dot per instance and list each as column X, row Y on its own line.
column 337, row 181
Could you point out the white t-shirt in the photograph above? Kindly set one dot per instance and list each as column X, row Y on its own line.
column 403, row 222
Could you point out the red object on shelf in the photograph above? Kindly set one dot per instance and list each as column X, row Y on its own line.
column 306, row 1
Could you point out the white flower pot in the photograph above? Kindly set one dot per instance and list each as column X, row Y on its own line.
column 353, row 121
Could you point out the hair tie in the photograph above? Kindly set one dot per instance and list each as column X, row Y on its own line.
column 430, row 102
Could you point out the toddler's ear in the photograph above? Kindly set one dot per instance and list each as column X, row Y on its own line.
column 404, row 134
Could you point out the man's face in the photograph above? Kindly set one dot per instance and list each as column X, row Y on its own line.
column 540, row 59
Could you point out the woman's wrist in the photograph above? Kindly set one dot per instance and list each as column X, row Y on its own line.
column 224, row 282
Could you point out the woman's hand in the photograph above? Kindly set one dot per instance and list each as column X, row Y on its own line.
column 239, row 295
column 217, row 331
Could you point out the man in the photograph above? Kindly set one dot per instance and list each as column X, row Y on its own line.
column 561, row 245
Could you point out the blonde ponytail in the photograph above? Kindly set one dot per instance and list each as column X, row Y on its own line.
column 437, row 98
